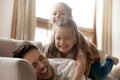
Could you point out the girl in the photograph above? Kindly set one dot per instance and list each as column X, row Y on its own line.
column 97, row 71
column 67, row 42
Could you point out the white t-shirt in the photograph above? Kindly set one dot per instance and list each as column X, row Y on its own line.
column 64, row 68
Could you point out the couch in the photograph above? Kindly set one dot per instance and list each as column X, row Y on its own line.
column 7, row 45
column 16, row 69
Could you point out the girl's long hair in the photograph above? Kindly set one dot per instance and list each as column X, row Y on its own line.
column 81, row 43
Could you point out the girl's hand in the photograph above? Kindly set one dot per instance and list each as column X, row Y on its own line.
column 80, row 68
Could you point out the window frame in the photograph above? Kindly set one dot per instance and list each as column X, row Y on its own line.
column 88, row 32
column 44, row 23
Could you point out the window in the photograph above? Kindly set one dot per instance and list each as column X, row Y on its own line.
column 82, row 11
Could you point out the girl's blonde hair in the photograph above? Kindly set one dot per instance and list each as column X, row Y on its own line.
column 67, row 8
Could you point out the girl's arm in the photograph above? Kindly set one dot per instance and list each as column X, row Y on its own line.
column 80, row 68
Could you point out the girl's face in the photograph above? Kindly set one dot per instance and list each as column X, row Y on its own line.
column 58, row 12
column 64, row 40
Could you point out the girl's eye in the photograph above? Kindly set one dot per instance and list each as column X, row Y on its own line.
column 62, row 13
column 57, row 38
column 54, row 14
column 67, row 38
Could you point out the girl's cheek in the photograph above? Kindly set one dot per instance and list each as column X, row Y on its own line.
column 53, row 21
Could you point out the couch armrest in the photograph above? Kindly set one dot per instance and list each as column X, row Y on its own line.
column 16, row 69
column 116, row 71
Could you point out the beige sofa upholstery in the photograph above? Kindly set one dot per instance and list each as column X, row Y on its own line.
column 7, row 45
column 115, row 72
column 16, row 69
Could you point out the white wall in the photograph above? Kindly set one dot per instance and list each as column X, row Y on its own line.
column 6, row 11
column 116, row 28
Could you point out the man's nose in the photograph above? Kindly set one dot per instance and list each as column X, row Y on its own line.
column 41, row 65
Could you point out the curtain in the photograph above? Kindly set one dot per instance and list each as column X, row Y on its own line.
column 107, row 26
column 104, row 25
column 23, row 24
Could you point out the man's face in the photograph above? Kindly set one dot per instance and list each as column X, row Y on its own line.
column 40, row 63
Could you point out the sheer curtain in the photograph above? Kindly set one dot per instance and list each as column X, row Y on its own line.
column 23, row 25
column 104, row 25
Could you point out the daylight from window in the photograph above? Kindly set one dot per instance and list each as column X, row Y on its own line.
column 82, row 11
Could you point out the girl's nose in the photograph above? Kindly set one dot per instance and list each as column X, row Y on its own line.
column 62, row 41
column 58, row 15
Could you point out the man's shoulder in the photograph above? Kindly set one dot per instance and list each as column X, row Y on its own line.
column 60, row 59
column 62, row 62
column 63, row 68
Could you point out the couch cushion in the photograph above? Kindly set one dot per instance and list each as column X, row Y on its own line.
column 7, row 45
column 116, row 71
column 16, row 69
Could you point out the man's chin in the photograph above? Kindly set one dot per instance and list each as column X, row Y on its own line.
column 49, row 74
column 43, row 77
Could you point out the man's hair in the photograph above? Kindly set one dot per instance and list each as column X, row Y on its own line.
column 22, row 48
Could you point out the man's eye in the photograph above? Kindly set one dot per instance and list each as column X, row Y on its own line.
column 34, row 65
column 41, row 58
